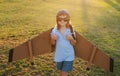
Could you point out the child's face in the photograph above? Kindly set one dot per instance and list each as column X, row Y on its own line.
column 62, row 20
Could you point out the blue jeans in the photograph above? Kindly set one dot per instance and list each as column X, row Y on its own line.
column 65, row 66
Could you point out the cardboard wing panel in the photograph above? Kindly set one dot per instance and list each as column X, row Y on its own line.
column 84, row 49
column 20, row 52
column 103, row 60
column 41, row 44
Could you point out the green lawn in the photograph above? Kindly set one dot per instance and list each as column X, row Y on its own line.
column 20, row 20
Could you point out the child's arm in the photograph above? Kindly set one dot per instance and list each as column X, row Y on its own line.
column 72, row 40
column 53, row 39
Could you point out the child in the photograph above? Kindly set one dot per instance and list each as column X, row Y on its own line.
column 62, row 37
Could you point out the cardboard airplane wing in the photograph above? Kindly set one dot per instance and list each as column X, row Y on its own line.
column 89, row 52
column 36, row 46
column 83, row 49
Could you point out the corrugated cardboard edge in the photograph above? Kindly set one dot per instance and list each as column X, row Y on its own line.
column 10, row 55
column 111, row 64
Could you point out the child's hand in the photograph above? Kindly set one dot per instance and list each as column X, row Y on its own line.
column 54, row 37
column 69, row 37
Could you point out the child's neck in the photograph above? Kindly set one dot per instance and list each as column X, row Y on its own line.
column 63, row 27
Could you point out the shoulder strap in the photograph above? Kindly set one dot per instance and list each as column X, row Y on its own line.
column 71, row 29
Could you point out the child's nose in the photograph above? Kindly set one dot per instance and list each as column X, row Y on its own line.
column 62, row 20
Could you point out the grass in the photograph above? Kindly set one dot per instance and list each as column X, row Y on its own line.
column 98, row 21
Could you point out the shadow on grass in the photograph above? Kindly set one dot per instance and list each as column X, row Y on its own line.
column 114, row 5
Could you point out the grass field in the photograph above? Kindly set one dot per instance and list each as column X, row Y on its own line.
column 21, row 20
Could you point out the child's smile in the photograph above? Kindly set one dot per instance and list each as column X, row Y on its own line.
column 62, row 20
